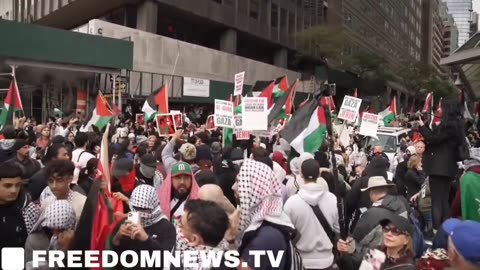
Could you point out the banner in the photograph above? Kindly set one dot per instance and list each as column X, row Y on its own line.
column 242, row 135
column 254, row 113
column 223, row 113
column 194, row 87
column 239, row 78
column 369, row 125
column 349, row 109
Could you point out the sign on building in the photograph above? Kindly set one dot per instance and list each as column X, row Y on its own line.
column 194, row 87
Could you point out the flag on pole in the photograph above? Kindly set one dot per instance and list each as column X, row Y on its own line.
column 435, row 118
column 466, row 112
column 428, row 106
column 304, row 102
column 11, row 104
column 329, row 102
column 307, row 129
column 355, row 94
column 390, row 112
column 237, row 101
column 267, row 92
column 280, row 87
column 101, row 115
column 283, row 105
column 156, row 102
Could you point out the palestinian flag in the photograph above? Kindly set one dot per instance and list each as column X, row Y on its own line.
column 428, row 106
column 156, row 102
column 329, row 102
column 307, row 128
column 390, row 112
column 101, row 115
column 281, row 86
column 466, row 112
column 12, row 104
column 303, row 103
column 283, row 106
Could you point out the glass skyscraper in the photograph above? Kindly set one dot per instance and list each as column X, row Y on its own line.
column 461, row 11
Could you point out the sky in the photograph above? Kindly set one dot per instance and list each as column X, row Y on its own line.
column 476, row 5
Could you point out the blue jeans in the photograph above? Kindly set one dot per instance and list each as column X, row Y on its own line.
column 428, row 220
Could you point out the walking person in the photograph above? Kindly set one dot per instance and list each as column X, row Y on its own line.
column 441, row 156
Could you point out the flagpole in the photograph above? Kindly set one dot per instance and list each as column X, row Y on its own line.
column 173, row 70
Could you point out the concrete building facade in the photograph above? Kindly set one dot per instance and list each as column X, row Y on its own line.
column 474, row 24
column 432, row 38
column 450, row 31
column 461, row 11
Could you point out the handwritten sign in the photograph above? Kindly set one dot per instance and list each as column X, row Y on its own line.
column 349, row 109
column 239, row 78
column 254, row 113
column 223, row 113
column 369, row 125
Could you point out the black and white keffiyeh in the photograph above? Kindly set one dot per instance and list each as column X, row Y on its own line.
column 145, row 197
column 260, row 197
column 31, row 213
column 59, row 216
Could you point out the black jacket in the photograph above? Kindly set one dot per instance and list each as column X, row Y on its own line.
column 28, row 166
column 13, row 231
column 440, row 157
column 38, row 182
column 413, row 181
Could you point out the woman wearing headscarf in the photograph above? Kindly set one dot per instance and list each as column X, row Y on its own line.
column 53, row 231
column 443, row 143
column 263, row 225
column 152, row 232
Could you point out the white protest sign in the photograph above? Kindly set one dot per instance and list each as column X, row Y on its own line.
column 369, row 125
column 238, row 121
column 254, row 113
column 242, row 135
column 239, row 78
column 223, row 113
column 349, row 109
column 343, row 134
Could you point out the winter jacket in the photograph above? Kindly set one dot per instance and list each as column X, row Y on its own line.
column 314, row 245
column 28, row 166
column 38, row 182
column 368, row 233
column 17, row 220
column 440, row 157
column 7, row 151
column 38, row 240
column 413, row 180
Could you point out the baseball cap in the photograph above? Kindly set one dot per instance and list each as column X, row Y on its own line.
column 400, row 222
column 216, row 148
column 465, row 236
column 148, row 160
column 188, row 151
column 310, row 169
column 122, row 167
column 181, row 168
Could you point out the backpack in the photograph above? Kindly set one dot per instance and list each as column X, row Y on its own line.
column 417, row 237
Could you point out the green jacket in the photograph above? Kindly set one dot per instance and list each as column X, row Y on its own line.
column 470, row 196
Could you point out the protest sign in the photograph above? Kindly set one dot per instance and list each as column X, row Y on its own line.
column 238, row 121
column 165, row 124
column 210, row 125
column 178, row 117
column 254, row 113
column 369, row 125
column 140, row 119
column 239, row 78
column 349, row 109
column 223, row 113
column 242, row 135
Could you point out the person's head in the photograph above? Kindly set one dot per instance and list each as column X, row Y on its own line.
column 81, row 139
column 148, row 165
column 152, row 141
column 204, row 177
column 419, row 148
column 60, row 175
column 45, row 132
column 359, row 170
column 56, row 152
column 216, row 148
column 214, row 193
column 463, row 240
column 415, row 162
column 122, row 167
column 259, row 153
column 59, row 216
column 397, row 234
column 378, row 149
column 410, row 151
column 377, row 188
column 8, row 132
column 10, row 182
column 310, row 170
column 188, row 152
column 92, row 167
column 71, row 137
column 202, row 138
column 181, row 179
column 451, row 110
column 203, row 223
column 348, row 150
column 144, row 200
column 22, row 147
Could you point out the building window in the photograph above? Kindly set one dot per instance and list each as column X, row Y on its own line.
column 291, row 23
column 283, row 19
column 274, row 16
column 254, row 9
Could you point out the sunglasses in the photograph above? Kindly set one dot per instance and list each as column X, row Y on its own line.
column 394, row 231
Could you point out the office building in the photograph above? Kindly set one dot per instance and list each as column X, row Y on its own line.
column 461, row 11
column 474, row 24
column 432, row 38
column 450, row 31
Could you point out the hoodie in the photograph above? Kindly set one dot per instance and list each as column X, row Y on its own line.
column 7, row 151
column 314, row 245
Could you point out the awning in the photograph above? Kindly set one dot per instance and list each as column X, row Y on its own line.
column 33, row 45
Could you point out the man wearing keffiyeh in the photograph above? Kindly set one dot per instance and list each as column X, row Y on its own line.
column 263, row 224
column 154, row 232
column 54, row 229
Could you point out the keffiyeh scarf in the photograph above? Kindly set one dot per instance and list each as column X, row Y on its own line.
column 145, row 196
column 260, row 197
column 57, row 216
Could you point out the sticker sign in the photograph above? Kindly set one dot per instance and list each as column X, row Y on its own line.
column 239, row 78
column 223, row 113
column 349, row 109
column 254, row 114
column 369, row 125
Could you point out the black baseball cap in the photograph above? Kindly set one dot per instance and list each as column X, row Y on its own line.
column 310, row 169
